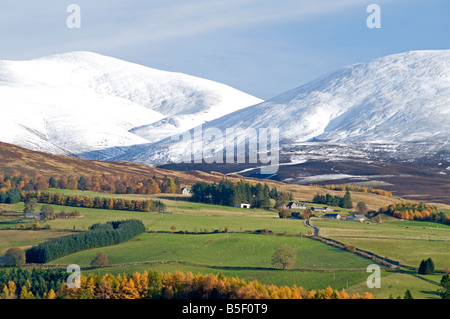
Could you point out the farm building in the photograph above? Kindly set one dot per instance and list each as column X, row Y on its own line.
column 293, row 205
column 357, row 218
column 332, row 216
column 33, row 215
column 186, row 191
column 322, row 209
column 242, row 205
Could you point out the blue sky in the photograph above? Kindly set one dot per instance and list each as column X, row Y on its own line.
column 262, row 47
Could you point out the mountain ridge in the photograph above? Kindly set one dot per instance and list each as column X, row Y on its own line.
column 81, row 101
column 397, row 99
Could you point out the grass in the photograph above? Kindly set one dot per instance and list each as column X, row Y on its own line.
column 222, row 250
column 407, row 241
column 24, row 239
column 247, row 256
column 195, row 217
column 394, row 285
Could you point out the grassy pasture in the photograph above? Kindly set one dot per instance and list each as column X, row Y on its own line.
column 24, row 239
column 223, row 250
column 230, row 253
column 407, row 241
column 245, row 255
column 394, row 285
column 194, row 218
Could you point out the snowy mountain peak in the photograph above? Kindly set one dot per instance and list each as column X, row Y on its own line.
column 401, row 98
column 79, row 102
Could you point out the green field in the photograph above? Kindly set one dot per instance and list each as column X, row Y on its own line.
column 193, row 218
column 241, row 253
column 407, row 241
column 394, row 285
column 223, row 250
column 245, row 255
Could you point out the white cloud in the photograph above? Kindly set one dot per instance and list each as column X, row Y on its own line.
column 176, row 19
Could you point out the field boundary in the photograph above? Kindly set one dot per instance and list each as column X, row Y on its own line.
column 364, row 253
column 186, row 263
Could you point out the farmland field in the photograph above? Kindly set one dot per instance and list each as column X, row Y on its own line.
column 245, row 255
column 227, row 250
column 407, row 241
column 394, row 285
column 193, row 218
column 221, row 239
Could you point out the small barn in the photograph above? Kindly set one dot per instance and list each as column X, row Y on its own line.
column 322, row 209
column 358, row 218
column 186, row 191
column 242, row 205
column 33, row 215
column 294, row 205
column 332, row 216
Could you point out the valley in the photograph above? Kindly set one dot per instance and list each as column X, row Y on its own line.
column 89, row 140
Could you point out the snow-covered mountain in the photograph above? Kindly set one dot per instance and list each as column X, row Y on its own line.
column 401, row 99
column 80, row 102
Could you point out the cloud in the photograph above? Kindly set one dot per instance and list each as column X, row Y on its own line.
column 165, row 20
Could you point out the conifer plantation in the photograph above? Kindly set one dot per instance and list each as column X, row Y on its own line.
column 227, row 193
column 100, row 235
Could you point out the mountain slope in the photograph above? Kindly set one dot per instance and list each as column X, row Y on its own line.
column 398, row 99
column 81, row 102
column 14, row 158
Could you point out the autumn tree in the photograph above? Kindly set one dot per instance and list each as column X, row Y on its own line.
column 306, row 214
column 9, row 290
column 47, row 211
column 284, row 256
column 25, row 294
column 15, row 257
column 361, row 207
column 100, row 260
column 30, row 205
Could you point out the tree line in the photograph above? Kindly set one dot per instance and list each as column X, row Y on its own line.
column 156, row 285
column 355, row 188
column 99, row 235
column 415, row 211
column 26, row 284
column 146, row 205
column 330, row 200
column 227, row 193
column 38, row 283
column 120, row 184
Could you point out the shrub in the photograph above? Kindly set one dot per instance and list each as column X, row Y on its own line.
column 15, row 257
column 100, row 260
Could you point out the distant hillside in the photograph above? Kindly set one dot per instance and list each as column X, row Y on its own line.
column 80, row 102
column 13, row 157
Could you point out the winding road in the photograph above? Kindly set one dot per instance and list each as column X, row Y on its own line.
column 313, row 228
